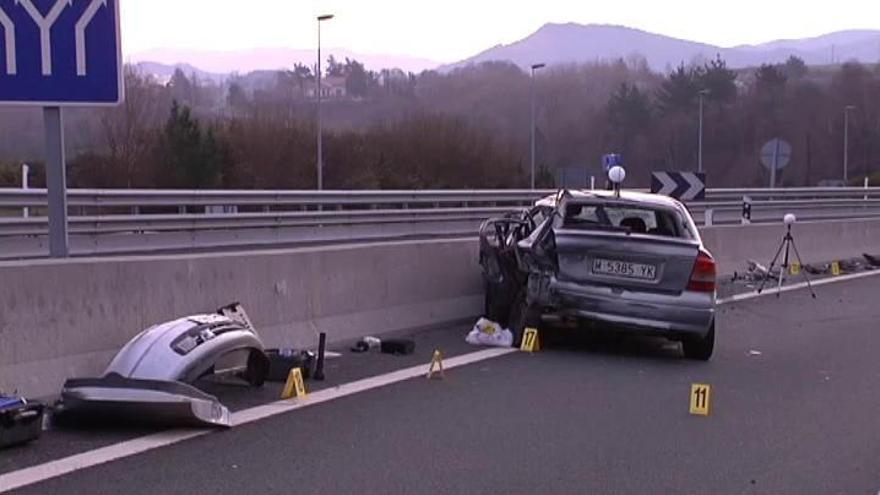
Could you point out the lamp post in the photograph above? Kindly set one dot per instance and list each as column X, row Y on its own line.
column 702, row 95
column 321, row 19
column 535, row 67
column 846, row 111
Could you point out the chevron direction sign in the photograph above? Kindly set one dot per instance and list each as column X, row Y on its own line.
column 683, row 186
column 60, row 52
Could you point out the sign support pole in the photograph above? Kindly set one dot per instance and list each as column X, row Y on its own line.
column 775, row 165
column 56, row 182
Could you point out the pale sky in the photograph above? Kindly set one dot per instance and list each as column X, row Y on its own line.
column 450, row 30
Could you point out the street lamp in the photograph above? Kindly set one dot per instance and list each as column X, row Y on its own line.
column 321, row 19
column 702, row 95
column 846, row 111
column 534, row 68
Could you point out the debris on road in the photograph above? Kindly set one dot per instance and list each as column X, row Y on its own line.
column 21, row 421
column 398, row 347
column 489, row 333
column 150, row 378
column 367, row 344
column 281, row 361
column 755, row 353
column 756, row 272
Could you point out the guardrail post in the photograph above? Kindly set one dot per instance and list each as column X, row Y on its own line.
column 747, row 210
column 710, row 217
column 25, row 172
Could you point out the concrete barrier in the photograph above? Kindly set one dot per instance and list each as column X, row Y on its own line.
column 733, row 246
column 67, row 318
column 60, row 319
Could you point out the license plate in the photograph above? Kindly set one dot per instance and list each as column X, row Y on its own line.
column 624, row 269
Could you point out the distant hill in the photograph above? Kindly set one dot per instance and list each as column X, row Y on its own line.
column 245, row 61
column 163, row 72
column 578, row 43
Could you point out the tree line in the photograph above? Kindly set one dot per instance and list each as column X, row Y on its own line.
column 466, row 128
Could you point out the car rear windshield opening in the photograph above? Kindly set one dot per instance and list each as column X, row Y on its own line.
column 624, row 218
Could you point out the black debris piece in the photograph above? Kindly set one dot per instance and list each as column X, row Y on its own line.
column 281, row 361
column 21, row 421
column 400, row 347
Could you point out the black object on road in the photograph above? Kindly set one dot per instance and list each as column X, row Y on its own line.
column 361, row 347
column 400, row 347
column 281, row 361
column 322, row 344
column 20, row 421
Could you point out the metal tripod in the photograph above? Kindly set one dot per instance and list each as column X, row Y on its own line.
column 787, row 244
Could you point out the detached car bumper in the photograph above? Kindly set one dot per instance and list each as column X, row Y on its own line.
column 688, row 314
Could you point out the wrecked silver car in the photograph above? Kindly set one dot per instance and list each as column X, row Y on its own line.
column 150, row 378
column 625, row 261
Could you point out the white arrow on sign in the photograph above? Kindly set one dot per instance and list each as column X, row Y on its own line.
column 45, row 24
column 696, row 187
column 81, row 26
column 9, row 32
column 669, row 184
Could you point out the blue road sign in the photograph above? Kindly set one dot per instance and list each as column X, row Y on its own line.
column 611, row 160
column 60, row 52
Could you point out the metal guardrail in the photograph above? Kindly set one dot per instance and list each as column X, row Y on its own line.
column 104, row 221
column 102, row 198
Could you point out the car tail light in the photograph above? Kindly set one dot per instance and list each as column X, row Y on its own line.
column 703, row 276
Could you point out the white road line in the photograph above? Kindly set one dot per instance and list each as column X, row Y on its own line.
column 770, row 291
column 36, row 474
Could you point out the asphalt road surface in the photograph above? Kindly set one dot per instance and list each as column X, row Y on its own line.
column 795, row 402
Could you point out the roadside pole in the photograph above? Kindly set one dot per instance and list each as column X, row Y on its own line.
column 56, row 182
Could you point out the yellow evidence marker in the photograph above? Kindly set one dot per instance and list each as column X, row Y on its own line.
column 295, row 387
column 795, row 268
column 531, row 342
column 436, row 361
column 701, row 395
column 835, row 268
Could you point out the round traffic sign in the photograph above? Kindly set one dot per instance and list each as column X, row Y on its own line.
column 776, row 151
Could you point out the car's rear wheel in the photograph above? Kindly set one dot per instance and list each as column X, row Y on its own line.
column 497, row 307
column 700, row 348
column 522, row 316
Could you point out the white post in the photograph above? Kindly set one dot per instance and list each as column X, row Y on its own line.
column 25, row 171
column 867, row 185
column 592, row 182
column 700, row 152
column 710, row 215
column 747, row 210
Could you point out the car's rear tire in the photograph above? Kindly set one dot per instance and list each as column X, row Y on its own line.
column 522, row 316
column 497, row 308
column 700, row 348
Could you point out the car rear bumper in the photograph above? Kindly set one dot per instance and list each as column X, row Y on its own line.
column 688, row 314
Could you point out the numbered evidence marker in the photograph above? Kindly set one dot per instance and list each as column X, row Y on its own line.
column 701, row 395
column 835, row 268
column 795, row 268
column 436, row 365
column 531, row 342
column 294, row 386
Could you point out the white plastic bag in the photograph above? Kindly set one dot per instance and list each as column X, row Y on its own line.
column 489, row 333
